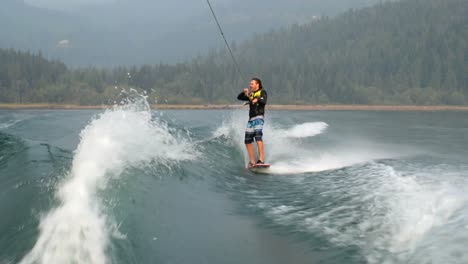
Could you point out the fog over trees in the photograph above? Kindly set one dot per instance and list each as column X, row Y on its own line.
column 406, row 52
column 135, row 32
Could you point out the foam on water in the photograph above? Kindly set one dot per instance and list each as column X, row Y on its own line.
column 234, row 128
column 377, row 198
column 78, row 230
column 416, row 204
column 392, row 216
column 8, row 124
column 325, row 161
column 287, row 154
column 302, row 130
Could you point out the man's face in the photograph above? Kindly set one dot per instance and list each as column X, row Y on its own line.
column 253, row 86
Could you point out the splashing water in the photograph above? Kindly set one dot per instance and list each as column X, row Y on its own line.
column 303, row 130
column 77, row 231
column 389, row 216
column 352, row 197
column 287, row 154
column 9, row 124
column 384, row 200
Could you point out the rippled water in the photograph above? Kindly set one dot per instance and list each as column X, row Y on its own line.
column 133, row 186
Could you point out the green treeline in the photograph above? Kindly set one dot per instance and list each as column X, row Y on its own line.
column 405, row 52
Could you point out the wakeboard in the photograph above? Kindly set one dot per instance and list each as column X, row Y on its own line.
column 259, row 168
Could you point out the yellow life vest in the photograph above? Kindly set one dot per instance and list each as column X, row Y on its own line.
column 256, row 94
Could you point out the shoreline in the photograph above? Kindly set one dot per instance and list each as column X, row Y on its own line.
column 402, row 108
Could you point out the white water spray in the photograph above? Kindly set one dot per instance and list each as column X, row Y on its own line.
column 77, row 231
column 304, row 130
column 286, row 153
column 392, row 218
column 8, row 124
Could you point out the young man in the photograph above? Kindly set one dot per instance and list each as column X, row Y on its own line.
column 257, row 100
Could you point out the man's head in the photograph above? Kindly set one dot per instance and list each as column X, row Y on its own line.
column 255, row 84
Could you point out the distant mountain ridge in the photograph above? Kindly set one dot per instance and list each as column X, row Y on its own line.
column 145, row 31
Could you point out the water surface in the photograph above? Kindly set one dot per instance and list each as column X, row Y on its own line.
column 132, row 186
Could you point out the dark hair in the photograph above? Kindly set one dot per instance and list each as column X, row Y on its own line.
column 259, row 82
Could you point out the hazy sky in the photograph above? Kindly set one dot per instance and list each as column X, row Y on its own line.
column 66, row 4
column 149, row 31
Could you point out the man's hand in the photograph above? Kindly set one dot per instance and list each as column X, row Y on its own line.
column 246, row 91
column 254, row 101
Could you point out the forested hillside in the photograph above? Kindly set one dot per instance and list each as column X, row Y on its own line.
column 406, row 52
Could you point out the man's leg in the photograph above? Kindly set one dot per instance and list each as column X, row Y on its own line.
column 260, row 150
column 250, row 151
column 249, row 138
column 259, row 138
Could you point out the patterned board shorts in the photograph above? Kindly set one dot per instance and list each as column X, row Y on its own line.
column 254, row 130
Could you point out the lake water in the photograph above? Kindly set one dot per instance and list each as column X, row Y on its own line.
column 135, row 186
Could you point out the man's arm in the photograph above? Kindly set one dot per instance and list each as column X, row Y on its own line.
column 243, row 97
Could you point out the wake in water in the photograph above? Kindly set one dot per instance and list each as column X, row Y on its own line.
column 9, row 120
column 352, row 198
column 390, row 202
column 9, row 124
column 78, row 230
column 393, row 216
column 288, row 153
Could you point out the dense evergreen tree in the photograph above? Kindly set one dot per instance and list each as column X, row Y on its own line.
column 406, row 52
